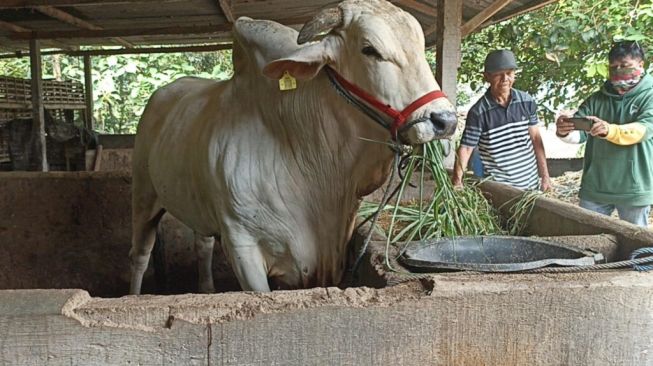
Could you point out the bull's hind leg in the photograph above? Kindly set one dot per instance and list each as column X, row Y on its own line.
column 204, row 252
column 146, row 214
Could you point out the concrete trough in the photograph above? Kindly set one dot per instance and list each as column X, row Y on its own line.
column 71, row 230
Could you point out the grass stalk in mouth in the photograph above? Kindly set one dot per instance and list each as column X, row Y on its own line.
column 440, row 210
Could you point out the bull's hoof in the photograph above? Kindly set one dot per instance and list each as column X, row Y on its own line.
column 206, row 287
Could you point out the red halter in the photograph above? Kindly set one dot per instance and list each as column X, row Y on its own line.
column 399, row 118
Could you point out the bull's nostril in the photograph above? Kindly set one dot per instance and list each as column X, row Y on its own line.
column 444, row 121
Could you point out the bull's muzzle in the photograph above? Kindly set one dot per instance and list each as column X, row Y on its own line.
column 444, row 123
column 434, row 126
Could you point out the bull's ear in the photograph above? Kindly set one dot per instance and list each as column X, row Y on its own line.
column 302, row 64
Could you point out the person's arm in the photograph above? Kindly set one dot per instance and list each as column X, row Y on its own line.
column 538, row 147
column 540, row 157
column 462, row 159
column 628, row 134
column 468, row 142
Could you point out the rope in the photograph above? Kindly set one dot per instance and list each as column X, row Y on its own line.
column 384, row 201
column 635, row 262
column 370, row 112
column 597, row 267
column 637, row 253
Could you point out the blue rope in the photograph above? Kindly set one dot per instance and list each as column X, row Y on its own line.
column 637, row 253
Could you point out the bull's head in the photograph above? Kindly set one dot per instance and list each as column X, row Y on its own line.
column 379, row 48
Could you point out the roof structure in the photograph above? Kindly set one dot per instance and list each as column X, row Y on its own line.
column 129, row 24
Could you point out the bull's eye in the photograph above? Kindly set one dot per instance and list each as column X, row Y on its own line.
column 372, row 52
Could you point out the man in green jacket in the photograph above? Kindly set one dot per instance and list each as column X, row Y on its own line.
column 618, row 164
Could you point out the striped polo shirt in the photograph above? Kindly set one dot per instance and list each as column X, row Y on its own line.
column 502, row 137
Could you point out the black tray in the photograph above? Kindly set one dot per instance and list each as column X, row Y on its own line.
column 493, row 254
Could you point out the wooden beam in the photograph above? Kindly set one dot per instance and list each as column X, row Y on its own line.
column 9, row 4
column 38, row 113
column 519, row 11
column 73, row 20
column 122, row 32
column 28, row 105
column 128, row 51
column 448, row 55
column 66, row 17
column 226, row 10
column 88, row 92
column 484, row 15
column 128, row 32
column 12, row 27
column 422, row 8
column 430, row 29
column 16, row 29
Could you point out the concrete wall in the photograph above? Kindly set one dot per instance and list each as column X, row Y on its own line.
column 551, row 217
column 73, row 230
column 598, row 319
column 60, row 230
column 558, row 167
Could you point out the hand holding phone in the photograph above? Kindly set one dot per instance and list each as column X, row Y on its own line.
column 580, row 123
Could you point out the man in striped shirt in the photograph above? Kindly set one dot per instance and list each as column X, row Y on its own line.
column 503, row 124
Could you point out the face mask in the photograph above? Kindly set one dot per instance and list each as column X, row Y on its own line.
column 625, row 78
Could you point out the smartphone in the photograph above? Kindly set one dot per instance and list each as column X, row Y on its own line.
column 580, row 123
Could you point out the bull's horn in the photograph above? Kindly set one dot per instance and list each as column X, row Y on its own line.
column 324, row 21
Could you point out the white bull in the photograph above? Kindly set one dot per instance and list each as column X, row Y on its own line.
column 278, row 175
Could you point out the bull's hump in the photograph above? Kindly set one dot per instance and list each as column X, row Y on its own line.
column 263, row 40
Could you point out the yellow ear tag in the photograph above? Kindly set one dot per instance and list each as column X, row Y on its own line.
column 287, row 82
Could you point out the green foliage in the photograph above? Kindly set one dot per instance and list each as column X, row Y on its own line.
column 562, row 48
column 123, row 84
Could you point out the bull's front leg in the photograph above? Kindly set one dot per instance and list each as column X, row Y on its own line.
column 204, row 252
column 247, row 260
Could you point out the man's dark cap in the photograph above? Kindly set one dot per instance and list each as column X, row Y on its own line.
column 500, row 60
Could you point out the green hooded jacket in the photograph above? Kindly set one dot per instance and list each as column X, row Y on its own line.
column 619, row 174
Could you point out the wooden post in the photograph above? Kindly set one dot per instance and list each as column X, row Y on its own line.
column 448, row 40
column 38, row 114
column 447, row 43
column 88, row 88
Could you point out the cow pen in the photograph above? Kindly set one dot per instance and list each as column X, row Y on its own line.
column 65, row 236
column 446, row 318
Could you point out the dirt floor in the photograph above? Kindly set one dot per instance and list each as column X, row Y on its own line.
column 565, row 188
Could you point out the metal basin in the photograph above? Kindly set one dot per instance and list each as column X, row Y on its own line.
column 493, row 254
